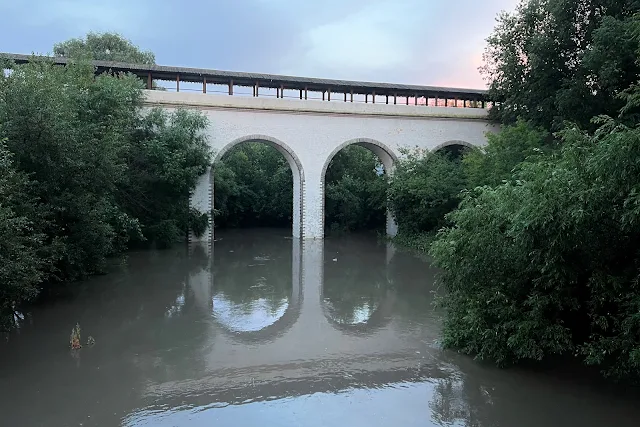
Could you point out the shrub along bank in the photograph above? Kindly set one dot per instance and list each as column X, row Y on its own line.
column 85, row 174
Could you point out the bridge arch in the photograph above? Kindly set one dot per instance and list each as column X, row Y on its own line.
column 386, row 155
column 294, row 163
column 454, row 143
column 284, row 149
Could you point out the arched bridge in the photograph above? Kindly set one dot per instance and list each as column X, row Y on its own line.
column 310, row 134
column 284, row 112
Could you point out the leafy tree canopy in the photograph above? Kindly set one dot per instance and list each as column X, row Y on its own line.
column 104, row 47
column 562, row 60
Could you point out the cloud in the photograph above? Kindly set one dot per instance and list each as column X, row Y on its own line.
column 82, row 16
column 401, row 41
column 404, row 41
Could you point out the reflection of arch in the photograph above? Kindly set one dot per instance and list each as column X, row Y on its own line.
column 386, row 156
column 290, row 316
column 383, row 312
column 294, row 163
column 384, row 153
column 380, row 317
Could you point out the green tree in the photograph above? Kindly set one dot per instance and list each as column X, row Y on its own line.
column 504, row 151
column 104, row 47
column 253, row 187
column 424, row 188
column 70, row 132
column 562, row 60
column 23, row 252
column 355, row 191
column 167, row 155
column 561, row 275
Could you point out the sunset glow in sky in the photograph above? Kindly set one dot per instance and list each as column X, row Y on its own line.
column 431, row 42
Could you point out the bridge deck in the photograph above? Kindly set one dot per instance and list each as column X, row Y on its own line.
column 414, row 94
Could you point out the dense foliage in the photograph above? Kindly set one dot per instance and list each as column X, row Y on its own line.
column 254, row 187
column 424, row 188
column 355, row 191
column 557, row 60
column 104, row 47
column 167, row 154
column 86, row 172
column 22, row 258
column 542, row 257
column 562, row 272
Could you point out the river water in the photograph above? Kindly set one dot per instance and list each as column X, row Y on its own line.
column 263, row 330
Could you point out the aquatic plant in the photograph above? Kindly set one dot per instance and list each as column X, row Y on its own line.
column 74, row 339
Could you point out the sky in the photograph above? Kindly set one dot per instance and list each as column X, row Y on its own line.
column 425, row 42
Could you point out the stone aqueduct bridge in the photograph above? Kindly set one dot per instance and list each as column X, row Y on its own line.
column 382, row 117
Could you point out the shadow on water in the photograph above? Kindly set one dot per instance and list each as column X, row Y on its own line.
column 259, row 328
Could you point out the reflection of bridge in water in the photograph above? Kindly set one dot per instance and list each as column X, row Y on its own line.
column 309, row 347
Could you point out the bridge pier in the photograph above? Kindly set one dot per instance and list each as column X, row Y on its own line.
column 313, row 207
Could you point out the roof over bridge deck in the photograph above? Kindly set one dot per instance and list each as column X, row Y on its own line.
column 235, row 78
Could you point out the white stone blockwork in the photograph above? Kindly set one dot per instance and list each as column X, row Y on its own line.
column 310, row 133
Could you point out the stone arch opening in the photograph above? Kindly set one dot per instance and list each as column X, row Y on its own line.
column 294, row 163
column 386, row 156
column 454, row 147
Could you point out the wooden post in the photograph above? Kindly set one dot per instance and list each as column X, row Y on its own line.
column 281, row 91
column 464, row 103
column 366, row 98
column 230, row 87
column 351, row 95
column 345, row 97
column 483, row 104
column 300, row 93
column 253, row 90
column 426, row 100
column 149, row 81
column 455, row 101
column 436, row 100
column 387, row 99
column 305, row 92
column 373, row 97
column 415, row 99
column 446, row 102
column 277, row 92
column 395, row 98
column 323, row 95
column 204, row 85
column 257, row 87
column 177, row 82
column 407, row 99
column 329, row 94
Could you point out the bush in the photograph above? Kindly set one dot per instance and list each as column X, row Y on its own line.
column 168, row 154
column 253, row 187
column 355, row 191
column 85, row 173
column 504, row 152
column 70, row 132
column 424, row 188
column 547, row 263
column 23, row 253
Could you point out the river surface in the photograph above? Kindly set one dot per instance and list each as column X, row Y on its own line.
column 263, row 330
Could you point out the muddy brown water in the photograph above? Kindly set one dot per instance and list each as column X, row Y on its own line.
column 261, row 329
